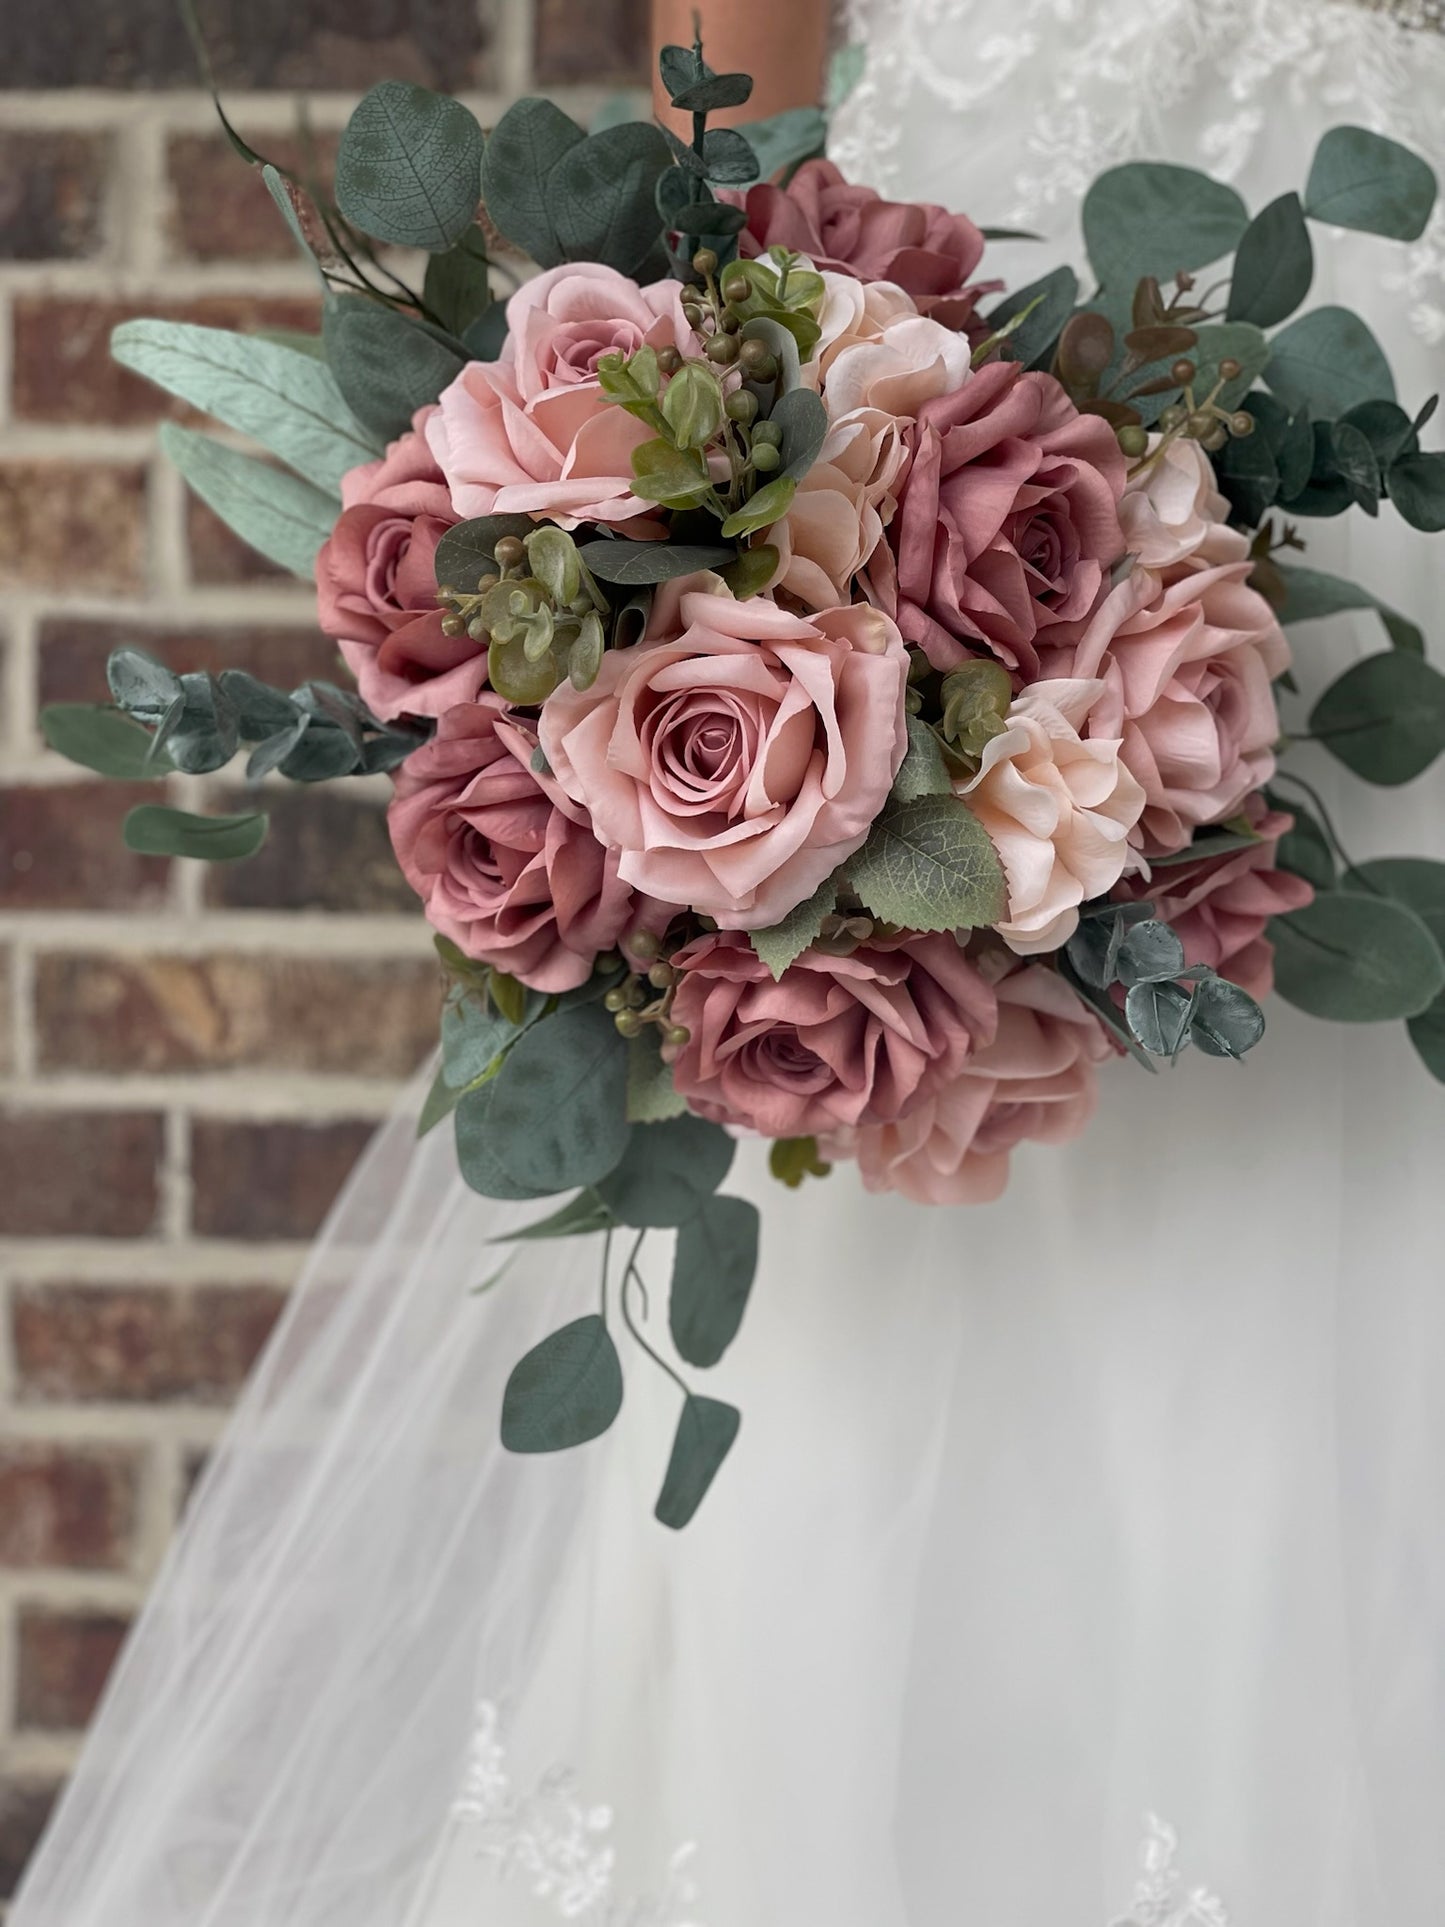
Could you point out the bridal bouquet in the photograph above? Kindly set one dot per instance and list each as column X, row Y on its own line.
column 827, row 697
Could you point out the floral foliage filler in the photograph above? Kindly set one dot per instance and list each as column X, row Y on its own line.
column 824, row 700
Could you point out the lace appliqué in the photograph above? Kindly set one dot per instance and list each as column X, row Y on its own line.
column 1109, row 84
column 1160, row 1898
column 562, row 1847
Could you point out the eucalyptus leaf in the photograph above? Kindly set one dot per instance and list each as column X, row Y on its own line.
column 485, row 338
column 712, row 1276
column 1384, row 718
column 468, row 550
column 566, row 1390
column 523, row 149
column 437, row 1106
column 760, row 511
column 288, row 402
column 929, row 865
column 1416, row 881
column 386, row 365
column 475, row 1033
column 783, row 140
column 409, row 166
column 1224, row 1020
column 282, row 517
column 1149, row 953
column 478, row 1147
column 1328, row 362
column 600, row 195
column 1056, row 295
column 1273, row 266
column 753, row 571
column 728, row 157
column 712, row 94
column 1207, row 845
column 153, row 830
column 1427, row 1034
column 1417, row 488
column 456, row 288
column 803, row 422
column 1150, row 218
column 580, row 1217
column 1304, row 851
column 101, row 738
column 1356, row 462
column 260, row 710
column 1158, row 1014
column 1360, row 179
column 782, row 943
column 710, row 217
column 1356, row 959
column 705, row 1435
column 558, row 1111
column 1312, row 594
column 142, row 686
column 666, row 1171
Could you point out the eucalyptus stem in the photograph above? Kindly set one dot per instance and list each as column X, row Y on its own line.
column 1326, row 821
column 631, row 1276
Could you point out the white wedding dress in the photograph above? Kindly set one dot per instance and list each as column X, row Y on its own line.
column 1121, row 1498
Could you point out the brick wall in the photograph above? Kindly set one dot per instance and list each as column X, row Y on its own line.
column 189, row 1060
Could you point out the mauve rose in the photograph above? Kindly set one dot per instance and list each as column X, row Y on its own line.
column 927, row 251
column 376, row 585
column 838, row 1041
column 532, row 433
column 1221, row 905
column 1035, row 1081
column 1008, row 521
column 1187, row 659
column 735, row 762
column 506, row 866
column 1058, row 807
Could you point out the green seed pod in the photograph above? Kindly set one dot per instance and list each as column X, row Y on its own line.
column 628, row 1023
column 1133, row 440
column 768, row 432
column 722, row 349
column 741, row 407
column 766, row 457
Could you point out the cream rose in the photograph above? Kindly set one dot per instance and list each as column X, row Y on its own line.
column 1059, row 808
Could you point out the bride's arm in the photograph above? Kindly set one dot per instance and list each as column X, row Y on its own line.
column 781, row 43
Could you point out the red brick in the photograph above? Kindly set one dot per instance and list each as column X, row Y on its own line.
column 25, row 1807
column 73, row 650
column 219, row 558
column 61, row 849
column 606, row 41
column 116, row 1013
column 73, row 1505
column 220, row 208
column 63, row 371
column 63, row 1660
column 83, row 1174
column 66, row 526
column 52, row 194
column 269, row 1180
column 325, row 44
column 147, row 1344
column 327, row 850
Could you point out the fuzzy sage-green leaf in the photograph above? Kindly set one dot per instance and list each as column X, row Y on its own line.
column 929, row 865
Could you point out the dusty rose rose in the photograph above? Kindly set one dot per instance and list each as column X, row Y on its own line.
column 927, row 251
column 845, row 501
column 1035, row 1081
column 507, row 866
column 838, row 1041
column 1172, row 510
column 1008, row 521
column 738, row 760
column 1187, row 660
column 532, row 433
column 376, row 584
column 1220, row 906
column 1059, row 808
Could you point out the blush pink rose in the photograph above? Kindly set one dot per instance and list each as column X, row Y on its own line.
column 1220, row 906
column 532, row 433
column 836, row 520
column 1035, row 1081
column 735, row 762
column 924, row 249
column 836, row 1042
column 1058, row 807
column 1187, row 659
column 376, row 585
column 852, row 311
column 1008, row 521
column 506, row 866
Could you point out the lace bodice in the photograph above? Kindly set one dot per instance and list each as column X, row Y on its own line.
column 1022, row 111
